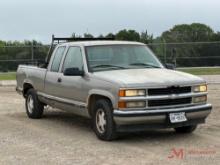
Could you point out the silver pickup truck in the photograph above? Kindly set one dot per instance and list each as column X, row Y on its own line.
column 120, row 85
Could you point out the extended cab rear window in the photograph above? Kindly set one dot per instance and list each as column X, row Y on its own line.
column 57, row 59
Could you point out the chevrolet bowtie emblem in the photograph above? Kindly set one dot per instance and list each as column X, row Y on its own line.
column 173, row 96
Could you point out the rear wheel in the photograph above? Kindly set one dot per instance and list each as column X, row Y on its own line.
column 186, row 129
column 102, row 118
column 34, row 108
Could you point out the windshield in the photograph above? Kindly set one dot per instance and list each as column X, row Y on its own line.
column 115, row 57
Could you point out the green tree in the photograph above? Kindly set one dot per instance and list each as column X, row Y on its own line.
column 110, row 35
column 128, row 35
column 188, row 33
column 145, row 38
column 101, row 36
column 88, row 35
column 216, row 37
column 195, row 32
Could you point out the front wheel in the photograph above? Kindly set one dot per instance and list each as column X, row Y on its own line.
column 102, row 118
column 186, row 129
column 34, row 108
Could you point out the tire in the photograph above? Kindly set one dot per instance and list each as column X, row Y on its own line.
column 34, row 108
column 186, row 129
column 102, row 119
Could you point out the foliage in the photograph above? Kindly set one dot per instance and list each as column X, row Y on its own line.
column 188, row 53
column 13, row 53
column 128, row 35
column 185, row 54
column 188, row 33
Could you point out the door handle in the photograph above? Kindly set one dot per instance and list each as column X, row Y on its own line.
column 59, row 80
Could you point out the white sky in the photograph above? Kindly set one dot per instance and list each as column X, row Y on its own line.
column 39, row 19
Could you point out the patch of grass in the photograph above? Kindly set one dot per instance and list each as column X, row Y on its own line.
column 201, row 71
column 8, row 76
column 195, row 71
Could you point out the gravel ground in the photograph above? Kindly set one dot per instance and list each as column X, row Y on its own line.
column 62, row 138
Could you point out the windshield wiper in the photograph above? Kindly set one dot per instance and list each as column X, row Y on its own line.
column 104, row 66
column 145, row 64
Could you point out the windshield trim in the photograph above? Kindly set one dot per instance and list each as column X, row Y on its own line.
column 152, row 53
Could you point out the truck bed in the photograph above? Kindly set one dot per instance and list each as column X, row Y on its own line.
column 31, row 74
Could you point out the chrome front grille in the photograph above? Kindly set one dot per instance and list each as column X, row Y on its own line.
column 168, row 102
column 169, row 90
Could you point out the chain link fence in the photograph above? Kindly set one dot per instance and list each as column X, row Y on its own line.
column 187, row 54
column 12, row 56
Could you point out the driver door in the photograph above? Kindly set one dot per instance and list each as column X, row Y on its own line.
column 72, row 86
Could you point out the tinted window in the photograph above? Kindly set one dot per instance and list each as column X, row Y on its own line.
column 73, row 58
column 57, row 59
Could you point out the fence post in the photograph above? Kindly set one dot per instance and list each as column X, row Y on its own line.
column 165, row 50
column 7, row 66
column 32, row 52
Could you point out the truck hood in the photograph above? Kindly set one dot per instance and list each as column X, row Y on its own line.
column 148, row 77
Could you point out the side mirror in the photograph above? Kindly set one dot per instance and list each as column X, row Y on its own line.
column 170, row 66
column 73, row 72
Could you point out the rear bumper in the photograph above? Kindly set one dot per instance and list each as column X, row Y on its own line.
column 143, row 119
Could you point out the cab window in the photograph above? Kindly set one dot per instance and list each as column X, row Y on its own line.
column 57, row 59
column 73, row 59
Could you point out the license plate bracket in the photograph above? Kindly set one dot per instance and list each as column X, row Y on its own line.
column 177, row 117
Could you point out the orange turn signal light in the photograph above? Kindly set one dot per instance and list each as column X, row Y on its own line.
column 121, row 93
column 121, row 104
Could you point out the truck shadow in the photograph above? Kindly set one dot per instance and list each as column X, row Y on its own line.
column 71, row 120
column 166, row 135
column 68, row 119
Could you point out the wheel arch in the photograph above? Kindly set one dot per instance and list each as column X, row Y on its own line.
column 26, row 87
column 94, row 96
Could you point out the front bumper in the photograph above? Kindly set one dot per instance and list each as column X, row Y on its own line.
column 147, row 119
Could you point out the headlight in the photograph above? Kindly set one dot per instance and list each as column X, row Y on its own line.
column 200, row 99
column 200, row 88
column 132, row 104
column 132, row 92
